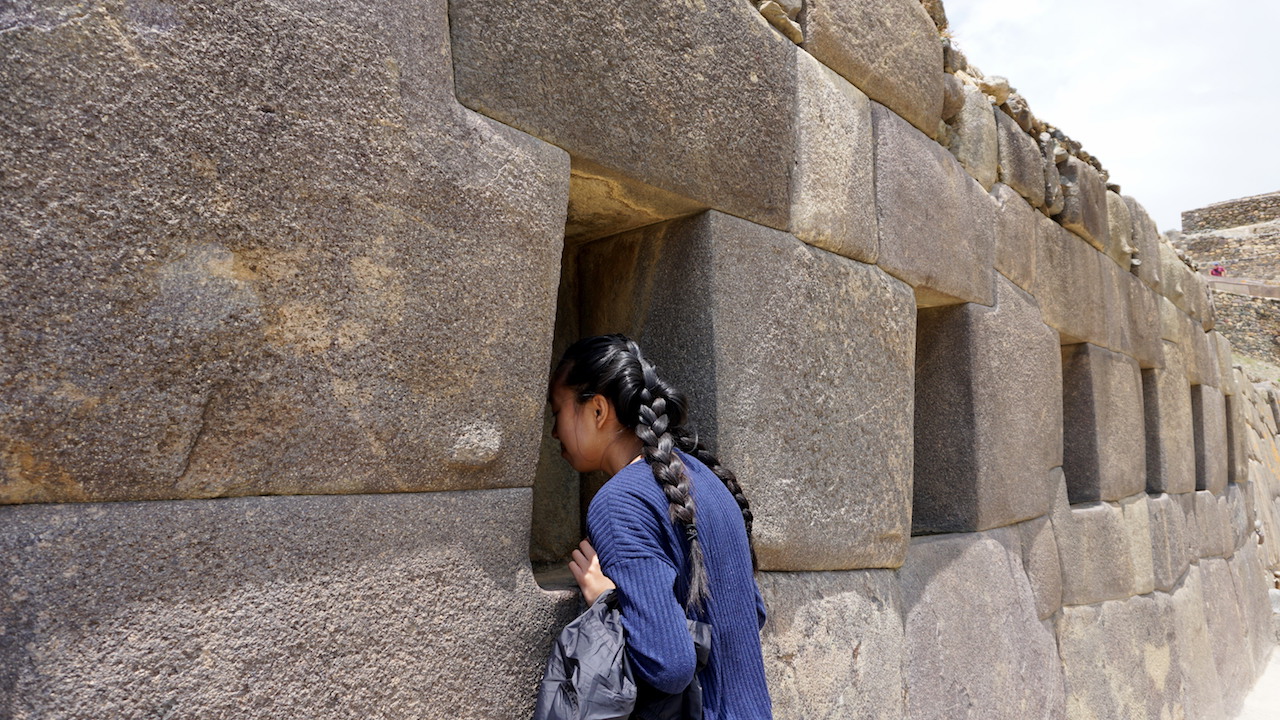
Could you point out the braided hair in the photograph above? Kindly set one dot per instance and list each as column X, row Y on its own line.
column 613, row 366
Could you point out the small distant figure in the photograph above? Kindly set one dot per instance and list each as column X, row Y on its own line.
column 1217, row 270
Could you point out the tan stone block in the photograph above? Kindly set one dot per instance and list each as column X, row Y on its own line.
column 1085, row 209
column 937, row 226
column 1119, row 231
column 1166, row 393
column 1093, row 544
column 825, row 342
column 626, row 90
column 291, row 601
column 1137, row 525
column 832, row 190
column 890, row 50
column 1195, row 649
column 1169, row 556
column 1209, row 418
column 1017, row 229
column 973, row 137
column 814, row 619
column 1146, row 242
column 1021, row 166
column 1040, row 560
column 1069, row 284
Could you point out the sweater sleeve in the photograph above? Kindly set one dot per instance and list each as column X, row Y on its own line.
column 625, row 531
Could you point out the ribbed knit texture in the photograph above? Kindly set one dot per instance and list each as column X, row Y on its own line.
column 645, row 555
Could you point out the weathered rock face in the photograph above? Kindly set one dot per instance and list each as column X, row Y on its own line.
column 988, row 423
column 627, row 90
column 974, row 141
column 301, row 602
column 1021, row 166
column 1068, row 285
column 1166, row 399
column 972, row 631
column 1209, row 413
column 1103, row 436
column 890, row 50
column 1017, row 233
column 935, row 222
column 811, row 345
column 1085, row 202
column 203, row 304
column 814, row 620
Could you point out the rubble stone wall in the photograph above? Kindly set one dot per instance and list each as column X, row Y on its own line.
column 1233, row 213
column 282, row 285
column 1252, row 324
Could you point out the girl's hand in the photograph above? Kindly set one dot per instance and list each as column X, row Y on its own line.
column 585, row 567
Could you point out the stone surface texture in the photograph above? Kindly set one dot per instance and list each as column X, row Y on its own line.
column 890, row 50
column 343, row 605
column 834, row 644
column 935, row 222
column 1166, row 401
column 1069, row 285
column 974, row 141
column 1209, row 411
column 1085, row 202
column 975, row 645
column 1017, row 233
column 988, row 421
column 1145, row 239
column 626, row 90
column 1021, row 166
column 832, row 190
column 1103, row 440
column 1119, row 231
column 824, row 343
column 1169, row 556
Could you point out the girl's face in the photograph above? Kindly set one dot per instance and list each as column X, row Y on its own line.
column 576, row 429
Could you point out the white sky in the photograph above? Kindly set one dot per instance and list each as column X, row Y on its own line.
column 1179, row 99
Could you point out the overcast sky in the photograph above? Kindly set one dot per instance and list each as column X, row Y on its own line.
column 1179, row 99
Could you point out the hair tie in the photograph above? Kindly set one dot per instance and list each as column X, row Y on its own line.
column 691, row 532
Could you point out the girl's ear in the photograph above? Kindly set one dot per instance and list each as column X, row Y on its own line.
column 601, row 410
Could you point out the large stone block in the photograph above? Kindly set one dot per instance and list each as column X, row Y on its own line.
column 1041, row 561
column 1145, row 240
column 988, row 422
column 936, row 224
column 832, row 189
column 833, row 645
column 975, row 645
column 1209, row 422
column 1166, row 401
column 254, row 255
column 1227, row 632
column 1119, row 662
column 1202, row 354
column 1069, row 285
column 1054, row 198
column 712, row 121
column 1174, row 275
column 1252, row 582
column 890, row 50
column 1142, row 329
column 1017, row 227
column 1021, row 166
column 753, row 323
column 1119, row 231
column 1094, row 547
column 1103, row 440
column 973, row 140
column 1085, row 208
column 1213, row 535
column 274, row 607
column 1194, row 650
column 1137, row 525
column 1169, row 556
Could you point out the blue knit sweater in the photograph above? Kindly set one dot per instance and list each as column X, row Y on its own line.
column 645, row 555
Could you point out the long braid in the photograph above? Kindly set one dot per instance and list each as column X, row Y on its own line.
column 688, row 441
column 655, row 431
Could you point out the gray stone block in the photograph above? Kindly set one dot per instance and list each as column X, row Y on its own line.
column 1169, row 556
column 973, row 139
column 1146, row 242
column 234, row 286
column 1251, row 585
column 1040, row 560
column 1202, row 354
column 1213, row 534
column 1017, row 228
column 1119, row 231
column 1021, row 165
column 627, row 90
column 1084, row 210
column 975, row 645
column 1166, row 400
column 1209, row 418
column 1194, row 650
column 1137, row 525
column 988, row 420
column 1118, row 660
column 274, row 607
column 1094, row 548
column 824, row 343
column 1069, row 284
column 890, row 50
column 1141, row 326
column 1103, row 440
column 1174, row 275
column 832, row 189
column 1227, row 632
column 936, row 224
column 1174, row 325
column 1238, row 434
column 1054, row 198
column 833, row 645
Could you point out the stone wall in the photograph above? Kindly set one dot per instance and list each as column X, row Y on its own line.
column 1252, row 324
column 1233, row 213
column 283, row 284
column 1250, row 253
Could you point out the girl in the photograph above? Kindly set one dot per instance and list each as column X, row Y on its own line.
column 671, row 529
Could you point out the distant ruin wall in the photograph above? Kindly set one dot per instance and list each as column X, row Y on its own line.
column 1233, row 213
column 283, row 283
column 1252, row 324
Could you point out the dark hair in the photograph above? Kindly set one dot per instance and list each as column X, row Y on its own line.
column 613, row 366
